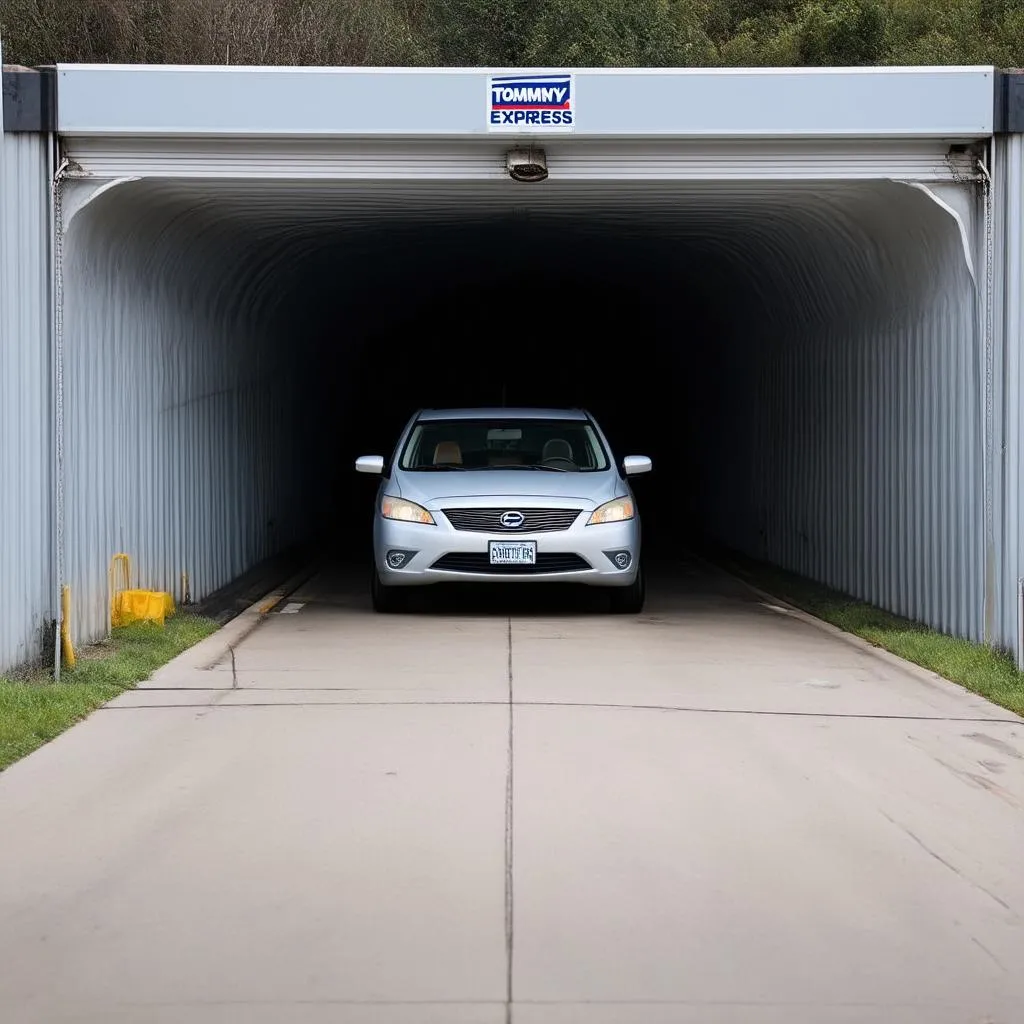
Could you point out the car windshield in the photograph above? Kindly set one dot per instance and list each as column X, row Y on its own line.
column 566, row 446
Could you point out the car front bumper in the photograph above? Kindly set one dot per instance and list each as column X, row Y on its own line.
column 582, row 554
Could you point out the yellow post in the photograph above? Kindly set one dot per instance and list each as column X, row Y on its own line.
column 67, row 648
column 114, row 588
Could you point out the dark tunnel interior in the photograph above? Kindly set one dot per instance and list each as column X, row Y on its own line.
column 774, row 347
column 556, row 322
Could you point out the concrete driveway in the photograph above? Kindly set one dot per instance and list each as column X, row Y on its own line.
column 715, row 813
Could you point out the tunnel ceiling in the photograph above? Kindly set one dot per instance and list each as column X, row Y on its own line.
column 821, row 247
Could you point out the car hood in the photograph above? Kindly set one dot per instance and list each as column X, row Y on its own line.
column 481, row 487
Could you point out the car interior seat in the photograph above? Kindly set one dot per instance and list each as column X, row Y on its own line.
column 448, row 453
column 557, row 449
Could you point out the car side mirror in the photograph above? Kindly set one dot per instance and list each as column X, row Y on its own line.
column 370, row 464
column 634, row 465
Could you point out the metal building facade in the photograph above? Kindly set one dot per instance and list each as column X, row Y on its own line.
column 870, row 278
column 1007, row 384
column 27, row 580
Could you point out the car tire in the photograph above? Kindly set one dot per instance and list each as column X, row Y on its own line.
column 385, row 600
column 629, row 600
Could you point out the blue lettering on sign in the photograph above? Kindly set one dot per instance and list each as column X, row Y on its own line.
column 535, row 117
column 531, row 101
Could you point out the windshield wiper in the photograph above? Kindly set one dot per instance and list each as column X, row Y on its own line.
column 439, row 469
column 532, row 466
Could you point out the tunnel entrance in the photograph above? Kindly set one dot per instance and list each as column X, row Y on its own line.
column 800, row 359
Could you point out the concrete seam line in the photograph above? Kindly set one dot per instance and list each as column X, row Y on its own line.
column 254, row 615
column 220, row 694
column 865, row 646
column 510, row 839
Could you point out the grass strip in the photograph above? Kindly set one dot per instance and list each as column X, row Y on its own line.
column 34, row 709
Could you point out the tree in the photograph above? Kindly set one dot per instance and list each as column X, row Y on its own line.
column 41, row 32
column 849, row 33
column 617, row 33
column 327, row 32
column 475, row 33
column 510, row 33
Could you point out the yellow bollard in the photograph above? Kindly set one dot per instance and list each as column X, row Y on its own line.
column 67, row 648
column 114, row 587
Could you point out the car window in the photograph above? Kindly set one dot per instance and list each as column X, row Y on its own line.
column 570, row 446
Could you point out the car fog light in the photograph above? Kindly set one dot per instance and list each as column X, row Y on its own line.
column 397, row 559
column 620, row 559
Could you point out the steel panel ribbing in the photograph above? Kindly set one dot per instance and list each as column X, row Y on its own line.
column 177, row 408
column 841, row 399
column 577, row 160
column 1008, row 172
column 848, row 441
column 26, row 441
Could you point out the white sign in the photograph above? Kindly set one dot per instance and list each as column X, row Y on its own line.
column 531, row 103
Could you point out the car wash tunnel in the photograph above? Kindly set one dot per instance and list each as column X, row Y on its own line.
column 810, row 332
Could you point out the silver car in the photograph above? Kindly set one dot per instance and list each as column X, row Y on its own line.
column 517, row 495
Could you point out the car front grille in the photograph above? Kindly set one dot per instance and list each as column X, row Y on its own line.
column 480, row 562
column 535, row 520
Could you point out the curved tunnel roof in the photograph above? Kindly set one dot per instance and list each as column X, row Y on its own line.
column 829, row 249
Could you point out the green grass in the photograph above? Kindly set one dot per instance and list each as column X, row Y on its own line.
column 34, row 709
column 991, row 674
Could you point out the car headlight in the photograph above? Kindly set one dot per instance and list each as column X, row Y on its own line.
column 405, row 511
column 617, row 511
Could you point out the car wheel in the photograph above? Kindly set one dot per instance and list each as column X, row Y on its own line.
column 629, row 600
column 385, row 599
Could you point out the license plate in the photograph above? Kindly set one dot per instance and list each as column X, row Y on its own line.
column 520, row 552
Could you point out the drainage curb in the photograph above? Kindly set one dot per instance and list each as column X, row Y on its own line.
column 211, row 652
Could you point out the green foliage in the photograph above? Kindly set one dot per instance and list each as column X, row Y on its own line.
column 474, row 33
column 849, row 33
column 510, row 33
column 610, row 33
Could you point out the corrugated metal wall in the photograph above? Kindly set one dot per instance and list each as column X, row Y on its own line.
column 1008, row 383
column 850, row 401
column 379, row 160
column 179, row 404
column 861, row 411
column 26, row 442
column 839, row 407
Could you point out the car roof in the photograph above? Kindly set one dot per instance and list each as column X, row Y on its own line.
column 498, row 412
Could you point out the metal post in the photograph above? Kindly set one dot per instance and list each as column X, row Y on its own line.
column 57, row 167
column 1020, row 623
